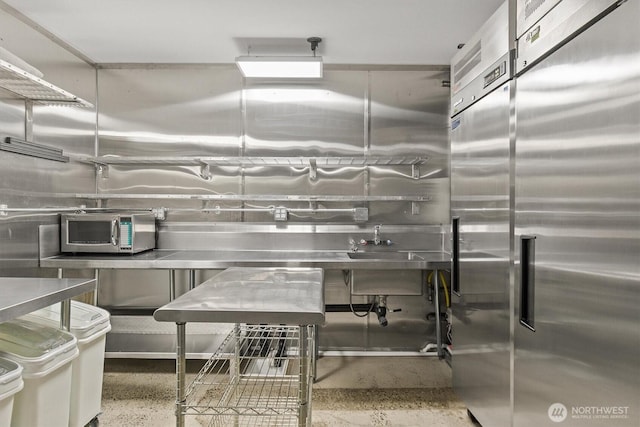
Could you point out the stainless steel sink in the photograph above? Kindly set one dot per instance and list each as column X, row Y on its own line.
column 400, row 256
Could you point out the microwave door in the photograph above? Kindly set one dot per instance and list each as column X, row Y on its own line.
column 101, row 235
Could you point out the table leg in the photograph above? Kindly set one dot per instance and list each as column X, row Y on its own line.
column 181, row 360
column 192, row 279
column 65, row 310
column 436, row 296
column 96, row 275
column 172, row 285
column 305, row 413
column 314, row 366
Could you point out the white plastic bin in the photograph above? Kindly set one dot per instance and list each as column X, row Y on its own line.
column 89, row 324
column 10, row 383
column 45, row 354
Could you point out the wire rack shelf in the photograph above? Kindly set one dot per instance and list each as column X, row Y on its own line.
column 260, row 376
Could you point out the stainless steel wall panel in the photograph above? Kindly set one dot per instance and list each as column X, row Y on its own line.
column 323, row 118
column 409, row 114
column 409, row 117
column 211, row 111
column 480, row 188
column 174, row 111
column 170, row 180
column 578, row 192
column 27, row 182
column 71, row 129
column 12, row 115
column 248, row 236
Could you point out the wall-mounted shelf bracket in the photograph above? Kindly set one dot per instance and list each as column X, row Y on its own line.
column 415, row 171
column 102, row 170
column 313, row 169
column 205, row 171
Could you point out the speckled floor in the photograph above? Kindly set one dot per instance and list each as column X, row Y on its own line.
column 350, row 391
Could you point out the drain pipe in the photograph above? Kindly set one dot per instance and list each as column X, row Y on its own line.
column 381, row 310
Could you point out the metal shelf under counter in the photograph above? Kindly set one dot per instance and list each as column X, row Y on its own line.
column 22, row 295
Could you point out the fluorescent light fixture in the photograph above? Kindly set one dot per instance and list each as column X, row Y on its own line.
column 300, row 67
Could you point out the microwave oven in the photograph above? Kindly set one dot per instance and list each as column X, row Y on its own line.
column 127, row 233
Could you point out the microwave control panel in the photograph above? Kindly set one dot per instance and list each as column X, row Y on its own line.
column 126, row 233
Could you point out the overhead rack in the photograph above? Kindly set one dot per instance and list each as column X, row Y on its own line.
column 31, row 87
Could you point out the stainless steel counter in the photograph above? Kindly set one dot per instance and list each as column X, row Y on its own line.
column 252, row 295
column 170, row 259
column 22, row 295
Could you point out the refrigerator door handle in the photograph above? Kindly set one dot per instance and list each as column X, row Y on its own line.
column 527, row 281
column 455, row 255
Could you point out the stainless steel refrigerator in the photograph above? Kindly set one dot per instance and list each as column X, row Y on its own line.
column 480, row 203
column 577, row 214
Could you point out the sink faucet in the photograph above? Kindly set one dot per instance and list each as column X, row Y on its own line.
column 353, row 246
column 376, row 235
column 377, row 240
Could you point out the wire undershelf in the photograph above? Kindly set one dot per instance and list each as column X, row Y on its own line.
column 259, row 384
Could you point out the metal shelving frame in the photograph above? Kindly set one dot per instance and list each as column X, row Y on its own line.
column 260, row 375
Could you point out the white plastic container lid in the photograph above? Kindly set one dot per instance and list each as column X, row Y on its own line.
column 10, row 378
column 38, row 348
column 86, row 320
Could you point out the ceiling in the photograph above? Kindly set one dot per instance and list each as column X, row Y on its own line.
column 216, row 31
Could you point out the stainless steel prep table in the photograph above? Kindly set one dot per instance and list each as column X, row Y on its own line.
column 202, row 260
column 290, row 296
column 22, row 295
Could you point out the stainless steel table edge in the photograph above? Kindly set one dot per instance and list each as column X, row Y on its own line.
column 39, row 293
column 200, row 260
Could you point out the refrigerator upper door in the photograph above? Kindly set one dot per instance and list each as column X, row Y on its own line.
column 577, row 201
column 480, row 165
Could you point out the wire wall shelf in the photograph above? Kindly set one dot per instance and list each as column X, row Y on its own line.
column 256, row 197
column 263, row 381
column 28, row 86
column 325, row 162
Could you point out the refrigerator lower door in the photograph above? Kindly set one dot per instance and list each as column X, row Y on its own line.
column 577, row 218
column 480, row 165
